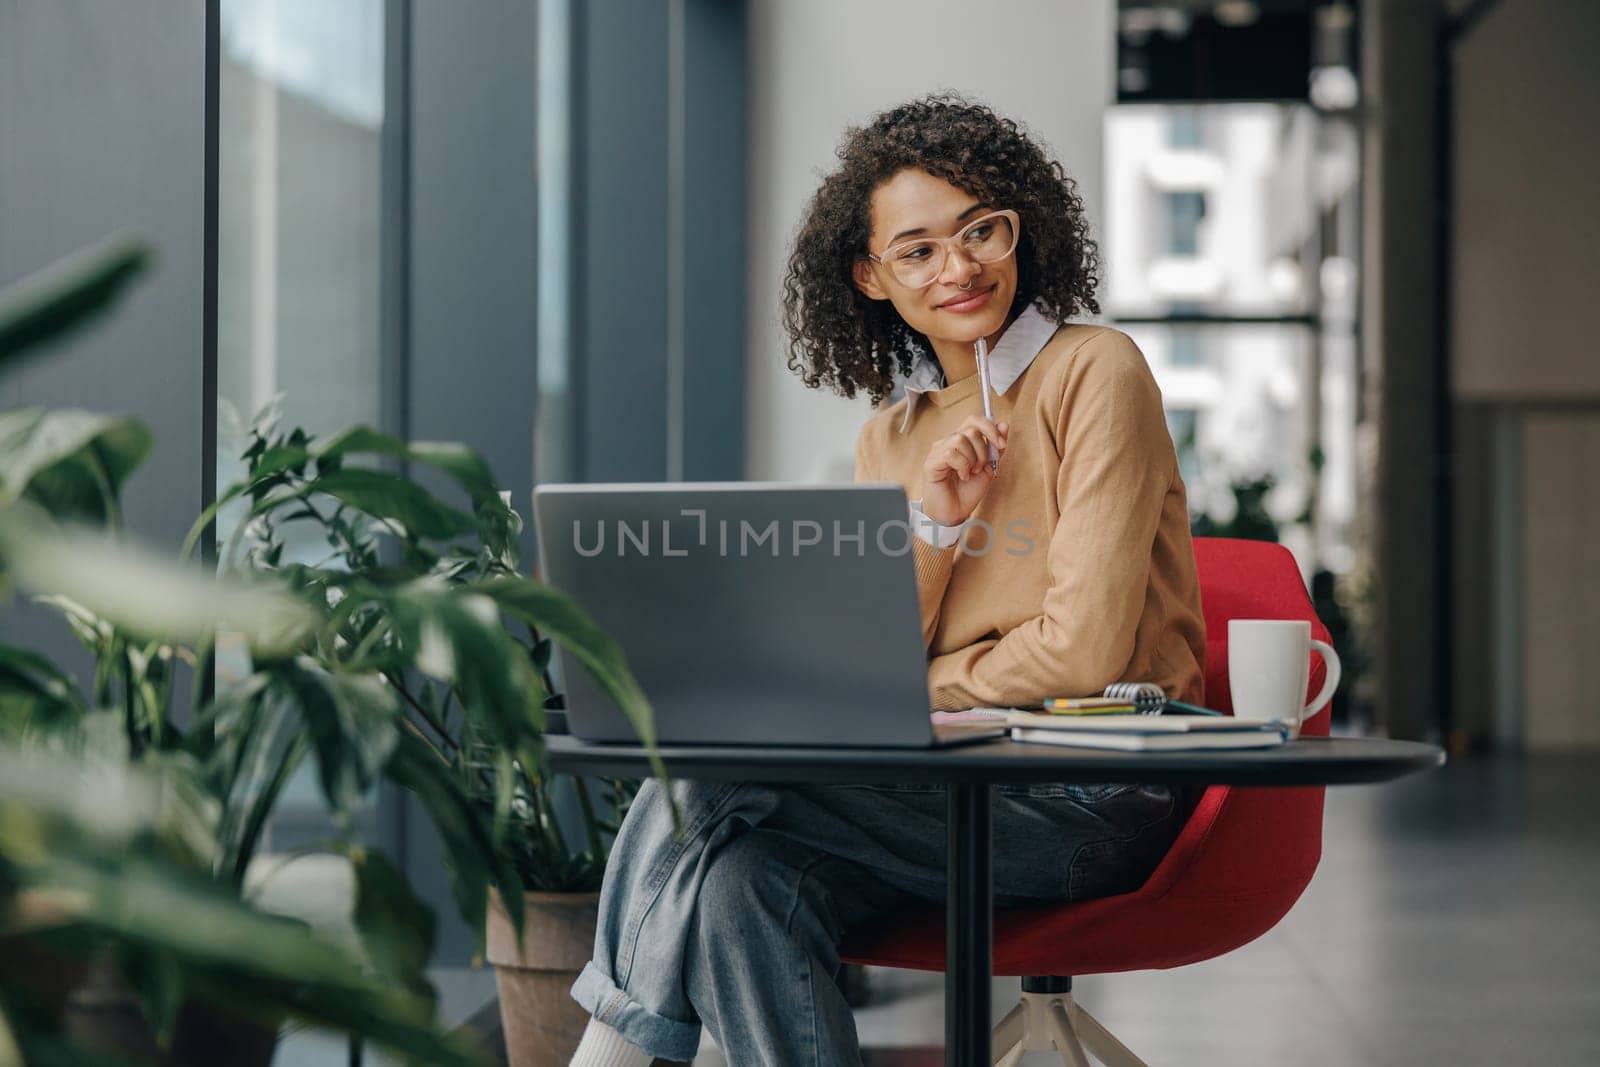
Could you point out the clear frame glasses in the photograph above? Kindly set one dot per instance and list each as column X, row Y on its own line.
column 986, row 239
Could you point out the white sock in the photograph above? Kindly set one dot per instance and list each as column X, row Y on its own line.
column 604, row 1047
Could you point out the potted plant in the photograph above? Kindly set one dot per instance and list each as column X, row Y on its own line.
column 391, row 657
column 95, row 780
column 399, row 558
column 534, row 972
column 103, row 854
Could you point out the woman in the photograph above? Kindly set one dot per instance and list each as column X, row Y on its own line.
column 1065, row 568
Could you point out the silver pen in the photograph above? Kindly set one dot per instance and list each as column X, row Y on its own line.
column 982, row 348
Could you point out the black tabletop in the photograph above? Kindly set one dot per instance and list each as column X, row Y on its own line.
column 1307, row 761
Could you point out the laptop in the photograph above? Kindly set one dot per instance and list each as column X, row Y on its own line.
column 751, row 612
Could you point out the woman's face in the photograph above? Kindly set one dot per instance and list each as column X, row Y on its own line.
column 912, row 204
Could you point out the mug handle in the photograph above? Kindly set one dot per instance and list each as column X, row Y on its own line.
column 1331, row 658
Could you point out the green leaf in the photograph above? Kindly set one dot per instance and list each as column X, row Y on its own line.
column 93, row 632
column 354, row 723
column 456, row 636
column 279, row 458
column 71, row 462
column 473, row 861
column 91, row 844
column 68, row 293
column 35, row 694
column 558, row 616
column 249, row 741
column 461, row 463
column 391, row 496
column 257, row 963
column 145, row 595
column 396, row 927
column 157, row 977
column 541, row 653
column 467, row 467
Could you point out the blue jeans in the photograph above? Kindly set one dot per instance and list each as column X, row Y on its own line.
column 735, row 923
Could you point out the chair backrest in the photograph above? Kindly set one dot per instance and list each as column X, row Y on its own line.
column 1252, row 580
column 1260, row 844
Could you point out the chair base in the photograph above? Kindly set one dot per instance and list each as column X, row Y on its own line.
column 1049, row 1020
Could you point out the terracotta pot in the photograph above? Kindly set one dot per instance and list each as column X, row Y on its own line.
column 542, row 1023
column 104, row 1015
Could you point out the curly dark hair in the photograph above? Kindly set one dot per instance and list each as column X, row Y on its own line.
column 841, row 339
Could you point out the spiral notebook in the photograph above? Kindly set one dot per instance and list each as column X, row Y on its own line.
column 1121, row 719
column 1140, row 698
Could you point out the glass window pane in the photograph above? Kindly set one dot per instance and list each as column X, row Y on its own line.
column 300, row 126
column 1213, row 206
column 299, row 211
column 1227, row 212
column 1246, row 393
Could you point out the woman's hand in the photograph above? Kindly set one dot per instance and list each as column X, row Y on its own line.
column 956, row 474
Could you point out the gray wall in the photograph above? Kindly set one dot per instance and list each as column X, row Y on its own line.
column 466, row 363
column 472, row 195
column 659, row 237
column 102, row 110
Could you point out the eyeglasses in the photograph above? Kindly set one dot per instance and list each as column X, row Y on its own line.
column 987, row 239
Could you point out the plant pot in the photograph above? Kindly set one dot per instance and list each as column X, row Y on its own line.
column 104, row 1015
column 542, row 1023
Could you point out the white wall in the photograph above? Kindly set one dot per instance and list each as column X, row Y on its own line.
column 819, row 65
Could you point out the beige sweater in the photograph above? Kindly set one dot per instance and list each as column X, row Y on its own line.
column 1085, row 572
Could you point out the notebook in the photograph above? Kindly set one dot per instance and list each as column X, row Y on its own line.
column 1145, row 733
column 1154, row 742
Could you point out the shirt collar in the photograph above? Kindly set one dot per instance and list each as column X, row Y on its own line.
column 1024, row 339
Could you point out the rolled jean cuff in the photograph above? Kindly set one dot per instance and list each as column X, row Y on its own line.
column 657, row 1035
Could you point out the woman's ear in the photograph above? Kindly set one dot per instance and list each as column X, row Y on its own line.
column 867, row 280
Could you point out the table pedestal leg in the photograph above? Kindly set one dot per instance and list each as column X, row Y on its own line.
column 969, row 926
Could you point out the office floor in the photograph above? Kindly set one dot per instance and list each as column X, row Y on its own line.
column 1455, row 919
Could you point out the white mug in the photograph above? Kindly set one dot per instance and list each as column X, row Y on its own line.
column 1269, row 666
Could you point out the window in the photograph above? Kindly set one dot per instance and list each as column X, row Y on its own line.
column 1184, row 351
column 1252, row 335
column 1183, row 129
column 300, row 126
column 1184, row 212
column 1184, row 425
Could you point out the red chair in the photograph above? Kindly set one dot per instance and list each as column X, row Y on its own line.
column 1237, row 867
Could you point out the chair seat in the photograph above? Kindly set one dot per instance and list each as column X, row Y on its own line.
column 1237, row 867
column 1170, row 921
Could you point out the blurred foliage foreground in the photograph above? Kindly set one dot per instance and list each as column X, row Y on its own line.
column 133, row 806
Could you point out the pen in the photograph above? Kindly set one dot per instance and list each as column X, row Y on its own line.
column 982, row 348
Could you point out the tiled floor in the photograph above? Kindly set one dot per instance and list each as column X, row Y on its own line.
column 1455, row 919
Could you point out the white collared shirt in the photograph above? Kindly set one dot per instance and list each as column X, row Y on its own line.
column 1023, row 340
